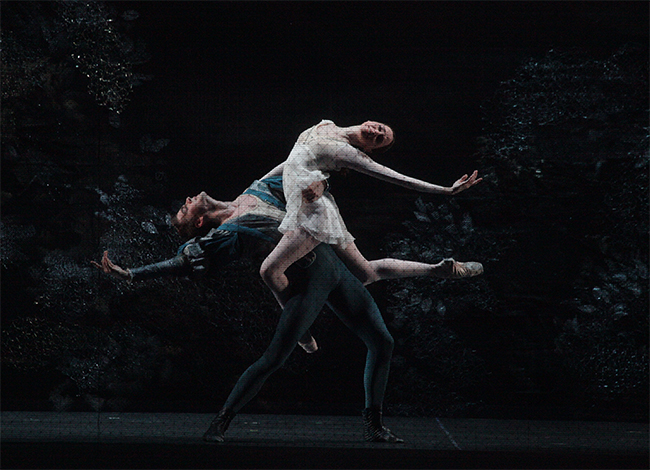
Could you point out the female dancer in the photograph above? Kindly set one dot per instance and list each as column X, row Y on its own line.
column 310, row 221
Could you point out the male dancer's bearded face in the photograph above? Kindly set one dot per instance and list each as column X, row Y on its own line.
column 194, row 207
column 187, row 216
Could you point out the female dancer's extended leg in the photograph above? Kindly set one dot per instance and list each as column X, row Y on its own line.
column 390, row 268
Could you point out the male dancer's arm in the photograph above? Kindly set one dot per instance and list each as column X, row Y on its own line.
column 194, row 258
column 176, row 266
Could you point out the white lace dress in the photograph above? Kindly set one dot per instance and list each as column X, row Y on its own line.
column 306, row 164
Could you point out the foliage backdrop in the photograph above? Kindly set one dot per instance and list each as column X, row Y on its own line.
column 557, row 326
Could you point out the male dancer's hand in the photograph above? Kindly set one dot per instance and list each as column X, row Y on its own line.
column 314, row 191
column 111, row 268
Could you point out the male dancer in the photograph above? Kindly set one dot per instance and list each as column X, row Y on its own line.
column 221, row 232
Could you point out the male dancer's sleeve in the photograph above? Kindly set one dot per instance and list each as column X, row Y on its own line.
column 195, row 258
column 176, row 266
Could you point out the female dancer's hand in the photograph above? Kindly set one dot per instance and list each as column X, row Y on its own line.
column 465, row 182
column 314, row 191
column 111, row 268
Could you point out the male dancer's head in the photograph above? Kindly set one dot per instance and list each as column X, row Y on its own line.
column 199, row 214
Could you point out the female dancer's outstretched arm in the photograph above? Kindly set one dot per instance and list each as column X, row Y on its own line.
column 346, row 156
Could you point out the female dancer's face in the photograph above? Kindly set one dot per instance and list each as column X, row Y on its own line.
column 375, row 135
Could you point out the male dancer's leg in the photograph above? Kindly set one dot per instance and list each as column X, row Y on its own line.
column 306, row 297
column 311, row 287
column 356, row 308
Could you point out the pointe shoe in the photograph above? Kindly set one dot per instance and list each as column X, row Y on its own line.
column 456, row 270
column 310, row 346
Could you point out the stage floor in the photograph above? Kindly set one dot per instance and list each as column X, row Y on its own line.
column 173, row 440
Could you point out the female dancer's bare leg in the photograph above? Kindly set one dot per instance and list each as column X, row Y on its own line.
column 294, row 245
column 390, row 268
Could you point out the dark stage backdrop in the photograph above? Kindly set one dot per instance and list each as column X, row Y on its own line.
column 113, row 112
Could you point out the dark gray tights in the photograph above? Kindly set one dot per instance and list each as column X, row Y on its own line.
column 325, row 280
